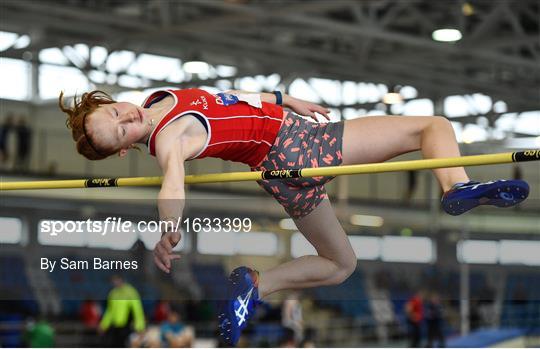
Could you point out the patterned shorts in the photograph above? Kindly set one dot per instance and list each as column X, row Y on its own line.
column 299, row 144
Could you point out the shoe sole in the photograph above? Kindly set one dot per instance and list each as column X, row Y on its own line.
column 226, row 326
column 500, row 195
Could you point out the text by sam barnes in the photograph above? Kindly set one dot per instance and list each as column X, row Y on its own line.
column 95, row 264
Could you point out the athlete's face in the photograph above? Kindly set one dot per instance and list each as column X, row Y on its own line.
column 117, row 126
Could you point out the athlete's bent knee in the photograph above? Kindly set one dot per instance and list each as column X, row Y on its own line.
column 346, row 268
column 436, row 123
column 441, row 121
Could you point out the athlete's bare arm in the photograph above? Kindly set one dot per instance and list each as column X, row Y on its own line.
column 171, row 197
column 299, row 106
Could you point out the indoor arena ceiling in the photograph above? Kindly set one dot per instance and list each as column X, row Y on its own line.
column 378, row 41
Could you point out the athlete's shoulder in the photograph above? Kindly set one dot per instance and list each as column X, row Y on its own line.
column 171, row 139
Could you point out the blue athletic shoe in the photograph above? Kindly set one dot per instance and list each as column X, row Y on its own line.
column 242, row 297
column 501, row 193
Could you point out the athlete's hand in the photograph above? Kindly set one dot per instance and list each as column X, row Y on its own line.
column 305, row 108
column 163, row 252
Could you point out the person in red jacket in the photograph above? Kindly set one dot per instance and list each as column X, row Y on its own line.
column 161, row 311
column 90, row 314
column 414, row 309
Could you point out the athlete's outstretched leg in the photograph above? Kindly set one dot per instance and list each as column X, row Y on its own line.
column 377, row 139
column 380, row 138
column 334, row 263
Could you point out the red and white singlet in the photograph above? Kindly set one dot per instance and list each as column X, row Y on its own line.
column 237, row 131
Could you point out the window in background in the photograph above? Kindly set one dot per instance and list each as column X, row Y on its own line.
column 329, row 90
column 478, row 251
column 300, row 246
column 13, row 40
column 136, row 97
column 475, row 104
column 7, row 40
column 458, row 130
column 299, row 88
column 421, row 106
column 519, row 252
column 11, row 230
column 506, row 122
column 131, row 81
column 349, row 92
column 352, row 113
column 528, row 123
column 249, row 84
column 455, row 106
column 408, row 92
column 53, row 79
column 388, row 248
column 473, row 133
column 15, row 81
column 230, row 243
column 98, row 55
column 227, row 71
column 119, row 61
column 217, row 242
column 257, row 243
column 52, row 55
column 366, row 247
column 369, row 92
column 154, row 67
column 408, row 249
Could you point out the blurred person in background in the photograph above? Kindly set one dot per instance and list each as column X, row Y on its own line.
column 287, row 339
column 124, row 310
column 291, row 316
column 52, row 169
column 174, row 333
column 39, row 334
column 24, row 141
column 309, row 338
column 434, row 321
column 150, row 337
column 475, row 319
column 5, row 129
column 414, row 310
column 412, row 183
column 90, row 314
column 161, row 311
column 517, row 172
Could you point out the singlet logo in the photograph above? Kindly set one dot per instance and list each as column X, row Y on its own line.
column 201, row 100
column 226, row 99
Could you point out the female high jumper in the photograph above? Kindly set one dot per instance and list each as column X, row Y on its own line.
column 255, row 129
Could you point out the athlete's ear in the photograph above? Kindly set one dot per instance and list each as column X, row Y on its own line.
column 122, row 153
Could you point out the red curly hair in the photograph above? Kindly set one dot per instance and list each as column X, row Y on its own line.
column 77, row 122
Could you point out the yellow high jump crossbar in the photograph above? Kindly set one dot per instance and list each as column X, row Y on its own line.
column 474, row 160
